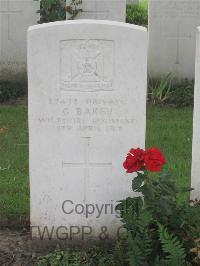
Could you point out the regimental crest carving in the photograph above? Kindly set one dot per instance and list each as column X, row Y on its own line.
column 86, row 65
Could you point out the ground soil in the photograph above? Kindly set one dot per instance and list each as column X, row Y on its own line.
column 22, row 101
column 15, row 248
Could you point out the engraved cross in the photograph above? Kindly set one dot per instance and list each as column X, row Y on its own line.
column 86, row 164
column 8, row 14
column 178, row 38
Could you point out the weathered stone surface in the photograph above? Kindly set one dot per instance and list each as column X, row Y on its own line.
column 87, row 98
column 195, row 182
column 15, row 18
column 172, row 26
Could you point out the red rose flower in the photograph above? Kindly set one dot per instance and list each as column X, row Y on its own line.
column 134, row 161
column 154, row 160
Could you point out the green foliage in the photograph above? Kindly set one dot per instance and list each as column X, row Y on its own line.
column 159, row 91
column 55, row 258
column 139, row 248
column 52, row 10
column 11, row 90
column 55, row 10
column 183, row 94
column 119, row 254
column 93, row 256
column 168, row 91
column 160, row 230
column 172, row 248
column 137, row 14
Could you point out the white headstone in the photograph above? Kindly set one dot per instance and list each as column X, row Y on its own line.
column 101, row 9
column 195, row 182
column 172, row 26
column 15, row 18
column 87, row 97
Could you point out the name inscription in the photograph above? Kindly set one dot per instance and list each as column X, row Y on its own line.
column 87, row 115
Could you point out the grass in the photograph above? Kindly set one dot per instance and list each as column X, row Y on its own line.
column 14, row 182
column 168, row 128
column 137, row 13
column 144, row 4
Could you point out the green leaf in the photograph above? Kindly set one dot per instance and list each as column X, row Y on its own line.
column 137, row 182
column 172, row 247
